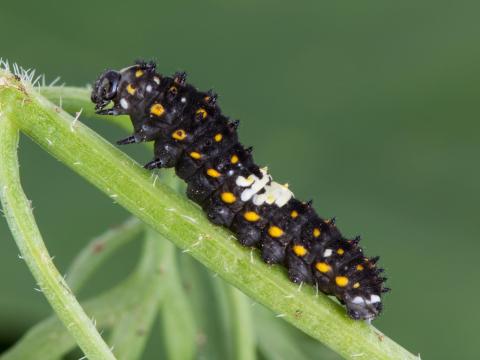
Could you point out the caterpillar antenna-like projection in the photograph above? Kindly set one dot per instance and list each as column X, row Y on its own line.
column 192, row 135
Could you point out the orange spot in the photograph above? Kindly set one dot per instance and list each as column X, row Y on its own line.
column 299, row 250
column 275, row 231
column 323, row 267
column 228, row 197
column 195, row 155
column 138, row 73
column 341, row 281
column 131, row 89
column 234, row 159
column 294, row 214
column 251, row 216
column 340, row 251
column 218, row 137
column 213, row 173
column 316, row 232
column 179, row 135
column 201, row 113
column 157, row 109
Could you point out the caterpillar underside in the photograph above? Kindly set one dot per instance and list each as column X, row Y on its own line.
column 192, row 135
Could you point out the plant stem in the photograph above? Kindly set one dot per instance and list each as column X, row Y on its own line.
column 48, row 339
column 184, row 224
column 243, row 330
column 99, row 249
column 18, row 212
column 130, row 334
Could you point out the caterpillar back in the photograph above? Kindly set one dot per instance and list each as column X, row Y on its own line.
column 192, row 135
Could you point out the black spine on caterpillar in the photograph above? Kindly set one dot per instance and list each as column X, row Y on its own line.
column 192, row 135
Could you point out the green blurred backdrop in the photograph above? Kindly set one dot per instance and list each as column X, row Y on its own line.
column 368, row 107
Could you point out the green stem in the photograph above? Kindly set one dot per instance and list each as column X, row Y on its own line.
column 18, row 212
column 184, row 224
column 243, row 331
column 48, row 339
column 99, row 249
column 130, row 334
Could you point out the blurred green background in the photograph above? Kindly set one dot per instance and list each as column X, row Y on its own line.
column 368, row 107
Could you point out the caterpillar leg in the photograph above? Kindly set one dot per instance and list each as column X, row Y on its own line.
column 112, row 111
column 167, row 154
column 127, row 140
column 154, row 164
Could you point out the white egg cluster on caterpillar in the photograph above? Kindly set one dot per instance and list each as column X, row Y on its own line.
column 192, row 135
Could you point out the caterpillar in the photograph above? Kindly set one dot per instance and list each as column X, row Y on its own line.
column 191, row 134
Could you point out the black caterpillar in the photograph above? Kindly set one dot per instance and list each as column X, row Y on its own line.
column 192, row 135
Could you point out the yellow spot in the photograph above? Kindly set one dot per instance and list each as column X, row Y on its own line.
column 173, row 90
column 316, row 232
column 251, row 216
column 179, row 135
column 340, row 251
column 323, row 267
column 130, row 89
column 195, row 155
column 207, row 98
column 157, row 109
column 218, row 137
column 228, row 197
column 341, row 281
column 234, row 159
column 356, row 285
column 213, row 173
column 299, row 250
column 294, row 214
column 202, row 113
column 138, row 73
column 359, row 267
column 275, row 231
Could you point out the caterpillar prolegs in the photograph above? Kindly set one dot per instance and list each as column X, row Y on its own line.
column 192, row 135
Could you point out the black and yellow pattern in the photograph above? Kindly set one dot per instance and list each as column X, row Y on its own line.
column 192, row 135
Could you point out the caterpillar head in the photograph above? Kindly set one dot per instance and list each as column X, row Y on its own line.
column 364, row 307
column 105, row 88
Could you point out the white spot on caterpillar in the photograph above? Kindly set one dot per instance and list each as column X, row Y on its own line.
column 327, row 253
column 124, row 103
column 358, row 300
column 156, row 79
column 275, row 193
column 255, row 186
column 183, row 100
column 259, row 199
column 149, row 88
column 374, row 299
column 245, row 182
